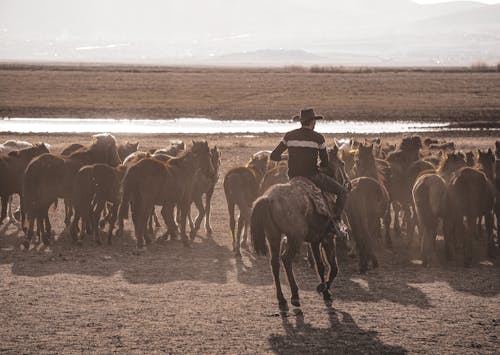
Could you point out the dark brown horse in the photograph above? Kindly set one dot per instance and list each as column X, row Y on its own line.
column 367, row 166
column 430, row 201
column 471, row 197
column 241, row 187
column 367, row 203
column 151, row 182
column 96, row 185
column 50, row 176
column 286, row 210
column 205, row 185
column 12, row 167
column 127, row 148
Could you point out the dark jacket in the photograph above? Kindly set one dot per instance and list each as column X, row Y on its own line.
column 304, row 145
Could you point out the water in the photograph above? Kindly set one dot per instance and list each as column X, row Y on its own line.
column 206, row 126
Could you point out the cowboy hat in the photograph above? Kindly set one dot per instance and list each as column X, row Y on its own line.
column 307, row 114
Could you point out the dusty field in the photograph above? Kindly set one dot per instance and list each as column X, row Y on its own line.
column 102, row 299
column 163, row 92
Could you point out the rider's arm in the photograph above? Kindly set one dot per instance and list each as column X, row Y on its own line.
column 276, row 153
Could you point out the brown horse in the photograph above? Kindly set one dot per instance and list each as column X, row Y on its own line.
column 286, row 210
column 367, row 166
column 151, row 182
column 95, row 185
column 471, row 196
column 273, row 176
column 241, row 187
column 50, row 176
column 400, row 161
column 430, row 201
column 68, row 150
column 127, row 148
column 12, row 167
column 367, row 203
column 204, row 184
column 486, row 163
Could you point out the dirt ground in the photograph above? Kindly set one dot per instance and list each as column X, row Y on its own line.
column 103, row 299
column 237, row 93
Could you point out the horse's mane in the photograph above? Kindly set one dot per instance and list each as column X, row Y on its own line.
column 26, row 152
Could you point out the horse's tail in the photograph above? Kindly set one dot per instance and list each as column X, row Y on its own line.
column 259, row 220
column 30, row 192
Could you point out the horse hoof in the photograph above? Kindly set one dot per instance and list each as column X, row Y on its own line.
column 46, row 239
column 295, row 302
column 283, row 305
column 321, row 287
column 237, row 253
column 26, row 245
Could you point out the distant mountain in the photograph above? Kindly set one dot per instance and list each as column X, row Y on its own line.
column 269, row 56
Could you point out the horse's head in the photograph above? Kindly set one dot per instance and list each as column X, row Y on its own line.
column 486, row 161
column 259, row 162
column 215, row 157
column 105, row 147
column 336, row 167
column 450, row 163
column 201, row 154
column 469, row 158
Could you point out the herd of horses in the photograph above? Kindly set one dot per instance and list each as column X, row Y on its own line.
column 419, row 184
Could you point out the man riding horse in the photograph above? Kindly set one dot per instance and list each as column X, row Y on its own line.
column 304, row 145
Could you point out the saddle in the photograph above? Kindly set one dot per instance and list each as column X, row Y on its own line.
column 323, row 202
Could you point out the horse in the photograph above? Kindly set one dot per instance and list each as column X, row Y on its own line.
column 273, row 176
column 450, row 164
column 430, row 200
column 400, row 160
column 367, row 166
column 486, row 164
column 367, row 203
column 127, row 148
column 204, row 184
column 68, row 150
column 241, row 188
column 51, row 176
column 150, row 182
column 471, row 196
column 12, row 168
column 12, row 145
column 285, row 209
column 95, row 185
column 470, row 159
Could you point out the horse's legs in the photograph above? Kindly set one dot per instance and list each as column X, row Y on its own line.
column 30, row 231
column 139, row 218
column 330, row 252
column 68, row 209
column 73, row 228
column 287, row 256
column 113, row 211
column 239, row 232
column 183, row 206
column 387, row 226
column 488, row 219
column 3, row 214
column 96, row 215
column 320, row 266
column 274, row 243
column 470, row 227
column 156, row 220
column 232, row 224
column 167, row 213
column 397, row 227
column 201, row 212
column 208, row 202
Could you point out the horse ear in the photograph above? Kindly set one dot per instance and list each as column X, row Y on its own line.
column 490, row 151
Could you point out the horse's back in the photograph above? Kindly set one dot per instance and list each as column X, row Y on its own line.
column 471, row 192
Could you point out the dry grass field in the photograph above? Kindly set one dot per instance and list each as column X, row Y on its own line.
column 251, row 93
column 103, row 299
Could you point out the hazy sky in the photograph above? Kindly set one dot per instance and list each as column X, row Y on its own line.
column 345, row 31
column 436, row 1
